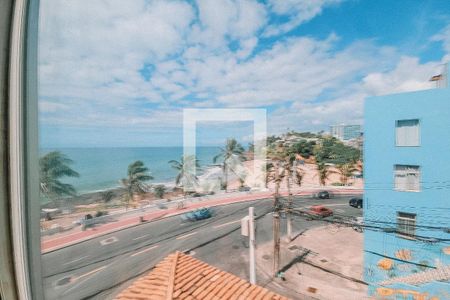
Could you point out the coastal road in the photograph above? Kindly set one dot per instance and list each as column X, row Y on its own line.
column 100, row 267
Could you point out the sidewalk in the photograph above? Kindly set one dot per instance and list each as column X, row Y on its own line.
column 321, row 263
column 64, row 239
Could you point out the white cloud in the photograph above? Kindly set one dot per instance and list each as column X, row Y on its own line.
column 297, row 12
column 93, row 46
column 207, row 55
column 49, row 107
column 221, row 20
column 444, row 37
column 408, row 75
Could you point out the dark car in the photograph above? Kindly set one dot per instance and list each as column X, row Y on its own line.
column 323, row 195
column 356, row 202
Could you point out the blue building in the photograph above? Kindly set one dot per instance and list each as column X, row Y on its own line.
column 407, row 195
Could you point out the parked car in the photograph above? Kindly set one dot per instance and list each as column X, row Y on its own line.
column 323, row 195
column 198, row 214
column 356, row 202
column 320, row 211
column 244, row 189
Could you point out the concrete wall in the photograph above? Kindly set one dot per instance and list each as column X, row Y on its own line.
column 382, row 202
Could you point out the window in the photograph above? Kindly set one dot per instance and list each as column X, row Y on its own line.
column 407, row 178
column 406, row 224
column 407, row 133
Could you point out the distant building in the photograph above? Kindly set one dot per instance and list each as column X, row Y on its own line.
column 406, row 198
column 345, row 132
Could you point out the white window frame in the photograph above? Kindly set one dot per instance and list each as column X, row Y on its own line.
column 405, row 143
column 408, row 170
column 408, row 221
column 23, row 150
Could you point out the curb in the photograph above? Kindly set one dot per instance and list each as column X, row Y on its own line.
column 182, row 211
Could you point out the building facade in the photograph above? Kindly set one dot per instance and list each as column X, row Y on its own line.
column 407, row 195
column 345, row 132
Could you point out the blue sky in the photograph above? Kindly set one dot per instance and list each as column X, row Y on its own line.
column 119, row 73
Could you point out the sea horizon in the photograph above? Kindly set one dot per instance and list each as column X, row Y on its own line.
column 101, row 168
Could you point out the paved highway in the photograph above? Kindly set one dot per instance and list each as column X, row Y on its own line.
column 100, row 267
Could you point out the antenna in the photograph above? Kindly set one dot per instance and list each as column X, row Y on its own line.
column 441, row 79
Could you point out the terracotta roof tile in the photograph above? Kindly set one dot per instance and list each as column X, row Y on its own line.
column 180, row 276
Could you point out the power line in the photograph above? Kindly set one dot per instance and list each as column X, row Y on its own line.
column 377, row 228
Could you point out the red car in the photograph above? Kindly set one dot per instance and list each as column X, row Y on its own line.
column 320, row 211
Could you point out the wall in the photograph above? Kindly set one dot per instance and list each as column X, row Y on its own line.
column 431, row 204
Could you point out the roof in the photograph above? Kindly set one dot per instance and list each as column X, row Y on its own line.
column 180, row 276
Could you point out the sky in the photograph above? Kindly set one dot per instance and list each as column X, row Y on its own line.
column 116, row 73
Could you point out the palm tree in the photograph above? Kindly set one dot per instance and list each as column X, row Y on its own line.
column 160, row 191
column 186, row 167
column 52, row 167
column 107, row 196
column 137, row 175
column 232, row 153
column 346, row 170
column 268, row 170
column 324, row 172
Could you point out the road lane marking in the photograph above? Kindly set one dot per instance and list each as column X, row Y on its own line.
column 75, row 260
column 143, row 251
column 81, row 276
column 108, row 241
column 186, row 235
column 89, row 273
column 326, row 205
column 225, row 224
column 140, row 237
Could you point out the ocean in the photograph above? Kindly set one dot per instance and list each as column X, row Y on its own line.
column 102, row 168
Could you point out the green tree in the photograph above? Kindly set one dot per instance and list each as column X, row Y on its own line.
column 160, row 190
column 323, row 172
column 52, row 167
column 232, row 153
column 303, row 148
column 331, row 150
column 107, row 196
column 134, row 183
column 186, row 168
column 346, row 170
column 268, row 170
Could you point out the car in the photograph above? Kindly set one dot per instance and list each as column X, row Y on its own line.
column 198, row 214
column 323, row 195
column 356, row 202
column 320, row 211
column 244, row 189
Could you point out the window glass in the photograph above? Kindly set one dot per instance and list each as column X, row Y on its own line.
column 408, row 133
column 407, row 178
column 165, row 126
column 406, row 224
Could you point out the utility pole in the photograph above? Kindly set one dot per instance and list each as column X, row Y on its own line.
column 276, row 223
column 288, row 215
column 276, row 243
column 252, row 244
column 290, row 172
column 248, row 229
